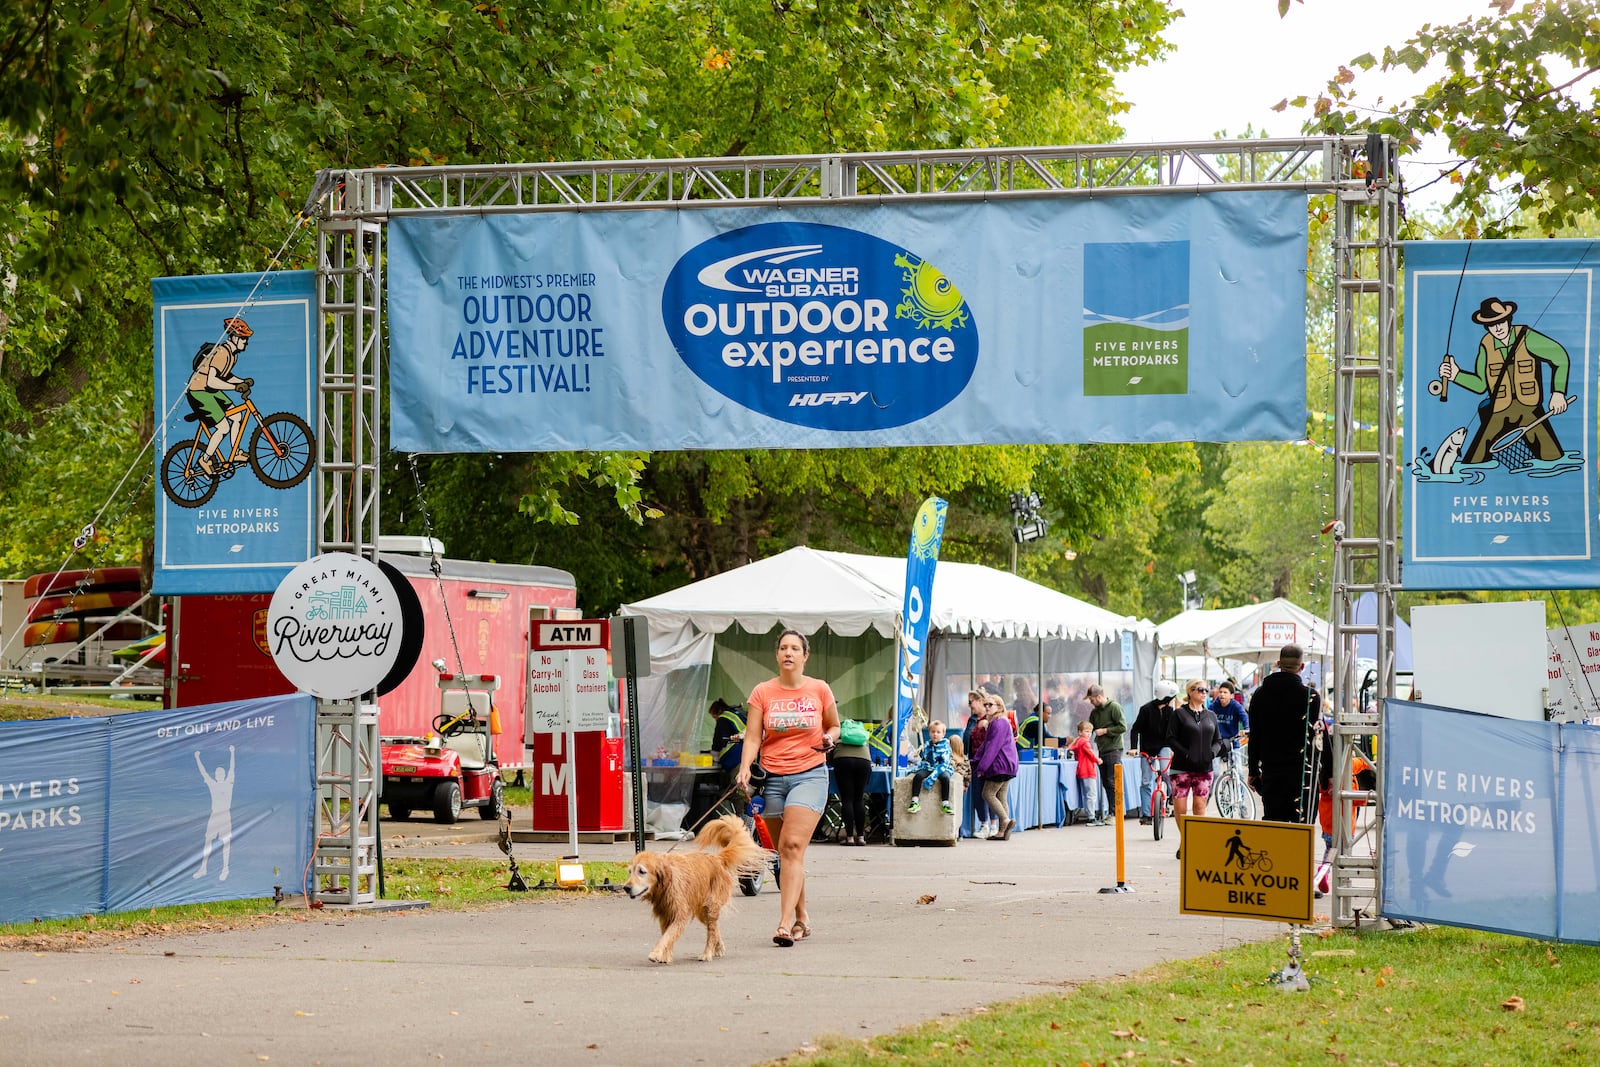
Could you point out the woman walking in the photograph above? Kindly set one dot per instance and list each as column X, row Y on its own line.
column 1192, row 736
column 793, row 723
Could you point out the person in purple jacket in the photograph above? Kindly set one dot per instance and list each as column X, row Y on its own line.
column 996, row 764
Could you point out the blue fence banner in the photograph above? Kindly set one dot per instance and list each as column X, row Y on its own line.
column 1022, row 321
column 151, row 809
column 922, row 557
column 1501, row 355
column 235, row 449
column 1468, row 800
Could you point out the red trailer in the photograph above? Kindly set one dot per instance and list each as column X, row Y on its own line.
column 219, row 647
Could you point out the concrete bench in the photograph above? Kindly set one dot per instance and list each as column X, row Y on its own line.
column 930, row 826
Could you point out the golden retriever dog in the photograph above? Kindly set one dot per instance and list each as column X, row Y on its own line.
column 682, row 886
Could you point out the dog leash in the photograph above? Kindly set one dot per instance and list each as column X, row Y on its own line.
column 690, row 832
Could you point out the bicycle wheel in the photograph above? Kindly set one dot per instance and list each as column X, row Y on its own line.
column 1158, row 814
column 287, row 465
column 1264, row 864
column 186, row 484
column 1233, row 797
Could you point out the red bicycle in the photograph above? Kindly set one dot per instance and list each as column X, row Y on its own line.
column 1160, row 792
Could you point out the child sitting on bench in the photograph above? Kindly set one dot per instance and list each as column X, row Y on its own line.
column 935, row 764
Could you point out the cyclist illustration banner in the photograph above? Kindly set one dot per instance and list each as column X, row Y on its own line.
column 1501, row 357
column 1470, row 797
column 1116, row 319
column 151, row 809
column 234, row 395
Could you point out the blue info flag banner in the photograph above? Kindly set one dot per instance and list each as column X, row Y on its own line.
column 150, row 809
column 1119, row 319
column 922, row 558
column 1491, row 823
column 235, row 403
column 1500, row 351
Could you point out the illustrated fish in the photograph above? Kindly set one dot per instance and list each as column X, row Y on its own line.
column 1444, row 460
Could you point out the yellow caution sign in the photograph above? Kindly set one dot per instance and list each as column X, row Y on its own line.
column 1247, row 869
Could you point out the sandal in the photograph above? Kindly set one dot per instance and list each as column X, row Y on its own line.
column 784, row 938
column 802, row 930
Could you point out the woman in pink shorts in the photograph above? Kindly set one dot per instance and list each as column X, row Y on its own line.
column 1192, row 734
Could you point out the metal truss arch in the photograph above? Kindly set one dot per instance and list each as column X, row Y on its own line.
column 1357, row 173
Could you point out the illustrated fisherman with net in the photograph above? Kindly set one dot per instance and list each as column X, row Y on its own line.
column 1512, row 417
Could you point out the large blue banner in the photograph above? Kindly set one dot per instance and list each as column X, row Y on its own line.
column 1491, row 823
column 235, row 405
column 150, row 809
column 1500, row 351
column 922, row 557
column 1118, row 319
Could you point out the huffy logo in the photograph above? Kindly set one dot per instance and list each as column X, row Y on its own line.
column 334, row 626
column 767, row 314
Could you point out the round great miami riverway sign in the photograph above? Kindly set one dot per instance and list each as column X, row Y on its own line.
column 334, row 626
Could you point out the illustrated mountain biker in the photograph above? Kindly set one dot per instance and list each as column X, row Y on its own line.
column 213, row 375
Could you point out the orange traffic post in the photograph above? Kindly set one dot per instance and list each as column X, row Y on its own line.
column 1116, row 795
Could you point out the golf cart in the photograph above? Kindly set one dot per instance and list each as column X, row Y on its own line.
column 454, row 766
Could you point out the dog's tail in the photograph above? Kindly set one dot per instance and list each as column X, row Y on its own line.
column 735, row 847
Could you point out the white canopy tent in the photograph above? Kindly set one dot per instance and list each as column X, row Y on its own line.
column 858, row 596
column 1252, row 633
column 806, row 589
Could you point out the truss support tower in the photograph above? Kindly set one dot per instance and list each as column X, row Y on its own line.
column 349, row 311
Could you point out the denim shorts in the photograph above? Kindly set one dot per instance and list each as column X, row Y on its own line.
column 806, row 789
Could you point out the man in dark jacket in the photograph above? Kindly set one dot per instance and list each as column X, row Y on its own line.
column 1149, row 738
column 1281, row 712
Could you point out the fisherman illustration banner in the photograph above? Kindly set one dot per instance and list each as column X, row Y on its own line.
column 150, row 809
column 1114, row 319
column 1500, row 355
column 1468, row 798
column 234, row 405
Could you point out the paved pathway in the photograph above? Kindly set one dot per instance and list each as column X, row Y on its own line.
column 568, row 983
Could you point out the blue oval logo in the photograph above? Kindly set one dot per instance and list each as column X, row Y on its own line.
column 820, row 326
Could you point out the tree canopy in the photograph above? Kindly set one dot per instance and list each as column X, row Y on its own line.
column 140, row 140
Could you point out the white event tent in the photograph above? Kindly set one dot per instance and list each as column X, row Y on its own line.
column 981, row 616
column 1250, row 634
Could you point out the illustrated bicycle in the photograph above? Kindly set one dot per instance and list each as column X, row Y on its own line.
column 1230, row 791
column 280, row 453
column 1255, row 857
column 1160, row 792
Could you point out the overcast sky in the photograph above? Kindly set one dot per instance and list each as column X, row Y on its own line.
column 1234, row 59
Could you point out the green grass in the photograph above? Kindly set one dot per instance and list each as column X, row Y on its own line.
column 24, row 707
column 450, row 884
column 1430, row 996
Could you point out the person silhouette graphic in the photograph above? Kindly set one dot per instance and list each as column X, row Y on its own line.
column 220, row 826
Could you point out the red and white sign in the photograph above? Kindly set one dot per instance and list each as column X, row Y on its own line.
column 1278, row 633
column 572, row 633
column 567, row 676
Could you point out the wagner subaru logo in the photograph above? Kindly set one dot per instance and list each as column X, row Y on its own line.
column 820, row 326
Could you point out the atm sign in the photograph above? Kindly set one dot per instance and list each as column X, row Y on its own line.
column 572, row 633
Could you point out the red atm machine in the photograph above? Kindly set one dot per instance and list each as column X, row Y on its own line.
column 567, row 674
column 599, row 782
